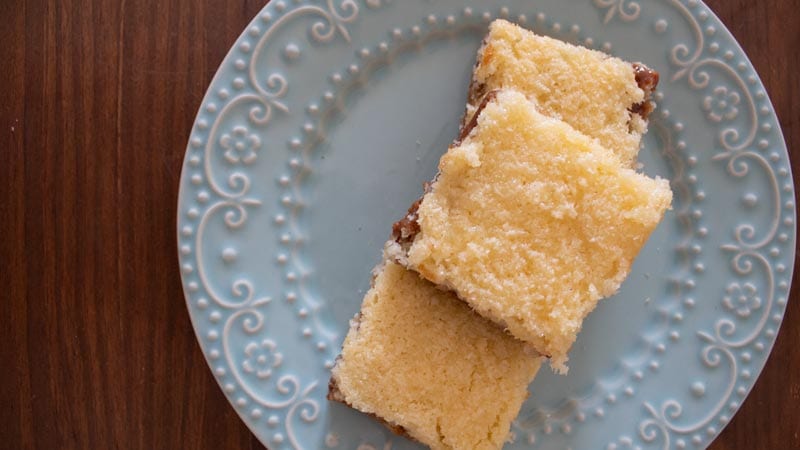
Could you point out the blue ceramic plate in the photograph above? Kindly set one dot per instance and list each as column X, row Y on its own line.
column 317, row 133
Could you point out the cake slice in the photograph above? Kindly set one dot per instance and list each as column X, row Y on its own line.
column 601, row 96
column 530, row 222
column 426, row 365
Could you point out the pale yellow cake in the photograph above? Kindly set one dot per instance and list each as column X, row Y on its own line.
column 531, row 223
column 424, row 363
column 601, row 96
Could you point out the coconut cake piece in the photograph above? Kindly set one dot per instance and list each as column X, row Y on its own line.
column 530, row 222
column 429, row 367
column 601, row 96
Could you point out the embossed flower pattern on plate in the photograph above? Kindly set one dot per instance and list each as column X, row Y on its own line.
column 742, row 299
column 240, row 145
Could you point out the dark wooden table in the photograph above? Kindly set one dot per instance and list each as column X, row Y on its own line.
column 96, row 102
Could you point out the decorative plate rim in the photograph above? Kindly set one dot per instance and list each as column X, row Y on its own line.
column 333, row 19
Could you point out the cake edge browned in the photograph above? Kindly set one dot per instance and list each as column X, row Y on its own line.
column 336, row 395
column 646, row 79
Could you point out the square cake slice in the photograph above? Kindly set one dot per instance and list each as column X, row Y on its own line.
column 429, row 367
column 601, row 96
column 530, row 222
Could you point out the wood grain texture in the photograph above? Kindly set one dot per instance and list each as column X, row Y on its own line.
column 97, row 98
